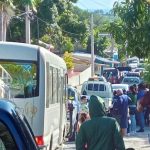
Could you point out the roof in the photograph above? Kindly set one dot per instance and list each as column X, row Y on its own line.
column 97, row 59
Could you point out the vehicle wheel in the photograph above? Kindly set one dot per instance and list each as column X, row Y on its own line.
column 51, row 143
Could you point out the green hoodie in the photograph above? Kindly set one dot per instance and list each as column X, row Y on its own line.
column 101, row 132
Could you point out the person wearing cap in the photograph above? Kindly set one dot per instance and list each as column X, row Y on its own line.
column 100, row 132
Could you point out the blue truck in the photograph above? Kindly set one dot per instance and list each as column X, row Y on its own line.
column 15, row 132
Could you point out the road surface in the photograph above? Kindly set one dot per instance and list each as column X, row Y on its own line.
column 139, row 141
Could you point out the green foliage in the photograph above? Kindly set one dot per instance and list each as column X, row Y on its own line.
column 69, row 60
column 134, row 26
column 147, row 73
column 57, row 23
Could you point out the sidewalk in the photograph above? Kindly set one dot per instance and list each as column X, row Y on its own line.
column 139, row 141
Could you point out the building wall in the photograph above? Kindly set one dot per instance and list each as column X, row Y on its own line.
column 79, row 79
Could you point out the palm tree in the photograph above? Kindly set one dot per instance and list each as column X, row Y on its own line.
column 6, row 12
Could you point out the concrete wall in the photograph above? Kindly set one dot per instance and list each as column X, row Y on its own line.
column 79, row 79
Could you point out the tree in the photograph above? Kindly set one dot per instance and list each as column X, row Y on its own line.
column 146, row 74
column 69, row 60
column 48, row 24
column 6, row 11
column 135, row 18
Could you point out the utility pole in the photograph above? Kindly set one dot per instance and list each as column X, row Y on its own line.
column 92, row 47
column 2, row 23
column 126, row 45
column 112, row 46
column 27, row 24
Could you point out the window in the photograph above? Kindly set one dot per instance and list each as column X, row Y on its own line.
column 6, row 140
column 96, row 86
column 54, row 85
column 58, row 86
column 50, row 84
column 90, row 87
column 102, row 87
column 47, row 85
column 49, row 72
column 22, row 77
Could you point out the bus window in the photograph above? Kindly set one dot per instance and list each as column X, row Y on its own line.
column 96, row 87
column 59, row 86
column 90, row 87
column 21, row 77
column 54, row 85
column 102, row 87
column 50, row 84
column 47, row 85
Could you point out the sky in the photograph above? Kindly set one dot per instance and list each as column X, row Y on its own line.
column 96, row 4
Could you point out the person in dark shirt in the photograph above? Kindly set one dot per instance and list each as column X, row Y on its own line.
column 123, row 102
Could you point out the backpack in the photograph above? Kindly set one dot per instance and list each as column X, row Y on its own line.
column 115, row 109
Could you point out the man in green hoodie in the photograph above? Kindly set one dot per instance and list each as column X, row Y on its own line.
column 101, row 132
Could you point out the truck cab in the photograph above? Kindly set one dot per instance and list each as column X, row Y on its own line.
column 15, row 132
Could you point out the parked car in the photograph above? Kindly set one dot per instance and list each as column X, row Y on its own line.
column 15, row 132
column 99, row 88
column 120, row 86
column 131, row 80
column 133, row 74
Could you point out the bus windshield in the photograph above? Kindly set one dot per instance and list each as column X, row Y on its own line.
column 21, row 77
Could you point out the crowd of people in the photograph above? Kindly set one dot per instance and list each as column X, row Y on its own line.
column 125, row 103
column 97, row 129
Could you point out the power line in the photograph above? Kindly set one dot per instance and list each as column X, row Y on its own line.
column 83, row 5
column 48, row 24
column 100, row 3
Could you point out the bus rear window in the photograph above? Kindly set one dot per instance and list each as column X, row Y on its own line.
column 102, row 87
column 19, row 78
column 90, row 87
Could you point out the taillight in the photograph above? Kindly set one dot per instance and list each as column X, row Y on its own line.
column 39, row 140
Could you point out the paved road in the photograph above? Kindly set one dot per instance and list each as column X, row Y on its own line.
column 139, row 141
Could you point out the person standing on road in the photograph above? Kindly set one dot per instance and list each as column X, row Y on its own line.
column 140, row 115
column 100, row 132
column 132, row 108
column 123, row 102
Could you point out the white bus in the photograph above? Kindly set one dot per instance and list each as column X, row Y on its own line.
column 38, row 88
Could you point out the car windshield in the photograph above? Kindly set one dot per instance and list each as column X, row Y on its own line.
column 131, row 80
